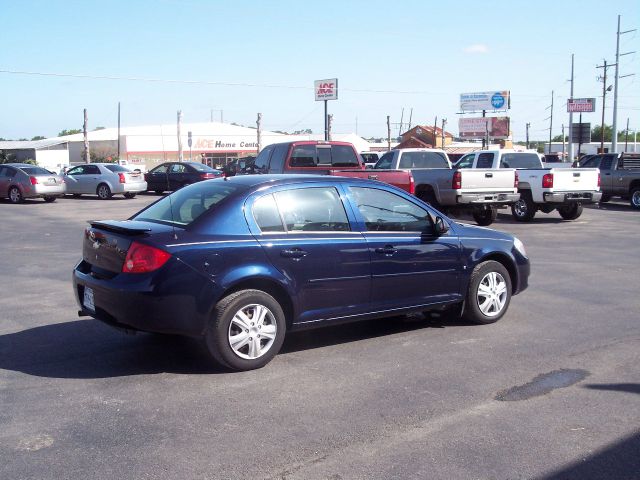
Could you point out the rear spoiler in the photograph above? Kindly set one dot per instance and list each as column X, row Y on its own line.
column 127, row 227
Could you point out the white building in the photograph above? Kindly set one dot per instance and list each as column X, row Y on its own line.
column 50, row 153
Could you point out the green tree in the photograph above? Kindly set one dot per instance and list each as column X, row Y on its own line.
column 73, row 131
column 38, row 137
column 558, row 138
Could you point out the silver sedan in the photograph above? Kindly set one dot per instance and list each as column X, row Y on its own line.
column 104, row 180
column 22, row 180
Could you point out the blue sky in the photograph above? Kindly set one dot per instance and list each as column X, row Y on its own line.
column 434, row 50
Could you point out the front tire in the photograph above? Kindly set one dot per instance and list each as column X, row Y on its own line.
column 489, row 293
column 524, row 209
column 129, row 195
column 634, row 199
column 15, row 195
column 104, row 192
column 246, row 331
column 571, row 211
column 485, row 216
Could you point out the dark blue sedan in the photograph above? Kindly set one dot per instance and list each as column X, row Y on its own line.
column 240, row 261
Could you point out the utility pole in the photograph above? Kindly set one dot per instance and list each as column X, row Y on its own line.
column 626, row 137
column 604, row 97
column 528, row 125
column 410, row 118
column 435, row 134
column 563, row 141
column 571, row 117
column 87, row 157
column 259, row 131
column 118, row 130
column 180, row 154
column 388, row 133
column 401, row 121
column 614, row 126
column 444, row 122
column 551, row 123
column 326, row 122
column 329, row 122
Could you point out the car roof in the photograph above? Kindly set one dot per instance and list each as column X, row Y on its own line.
column 19, row 165
column 286, row 179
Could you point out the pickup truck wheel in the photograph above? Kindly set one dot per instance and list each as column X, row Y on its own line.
column 524, row 209
column 634, row 200
column 605, row 198
column 246, row 331
column 485, row 216
column 571, row 211
column 489, row 293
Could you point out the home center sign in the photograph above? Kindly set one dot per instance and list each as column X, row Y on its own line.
column 326, row 89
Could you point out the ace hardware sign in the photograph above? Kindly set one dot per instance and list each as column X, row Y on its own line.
column 326, row 89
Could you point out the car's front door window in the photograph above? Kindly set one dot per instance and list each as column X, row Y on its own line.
column 388, row 212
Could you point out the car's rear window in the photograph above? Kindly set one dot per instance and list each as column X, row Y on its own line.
column 117, row 168
column 423, row 160
column 520, row 160
column 181, row 208
column 201, row 167
column 36, row 171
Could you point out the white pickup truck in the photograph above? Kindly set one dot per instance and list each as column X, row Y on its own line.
column 481, row 192
column 544, row 189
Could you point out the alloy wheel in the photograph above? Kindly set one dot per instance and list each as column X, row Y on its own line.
column 252, row 331
column 492, row 294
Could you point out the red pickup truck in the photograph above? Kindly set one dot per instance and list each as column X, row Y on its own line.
column 324, row 158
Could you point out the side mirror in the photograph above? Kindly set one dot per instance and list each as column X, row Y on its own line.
column 440, row 226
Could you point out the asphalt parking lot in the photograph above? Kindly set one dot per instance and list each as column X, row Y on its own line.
column 395, row 398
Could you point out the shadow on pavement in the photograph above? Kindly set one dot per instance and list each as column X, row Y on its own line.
column 619, row 461
column 89, row 349
column 616, row 387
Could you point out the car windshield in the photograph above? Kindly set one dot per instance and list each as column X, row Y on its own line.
column 117, row 168
column 36, row 171
column 184, row 206
column 201, row 167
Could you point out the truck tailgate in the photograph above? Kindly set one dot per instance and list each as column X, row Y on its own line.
column 398, row 178
column 488, row 180
column 571, row 179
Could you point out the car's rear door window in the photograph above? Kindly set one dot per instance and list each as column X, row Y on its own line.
column 266, row 215
column 485, row 160
column 317, row 209
column 304, row 156
column 387, row 212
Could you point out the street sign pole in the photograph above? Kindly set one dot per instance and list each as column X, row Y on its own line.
column 580, row 136
column 326, row 122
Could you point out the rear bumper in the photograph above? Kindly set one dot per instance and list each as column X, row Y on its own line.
column 569, row 197
column 130, row 187
column 167, row 302
column 42, row 190
column 487, row 198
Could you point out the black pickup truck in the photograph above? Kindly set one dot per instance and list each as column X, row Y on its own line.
column 620, row 176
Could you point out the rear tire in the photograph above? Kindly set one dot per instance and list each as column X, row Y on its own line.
column 49, row 198
column 159, row 192
column 15, row 195
column 571, row 211
column 489, row 293
column 246, row 330
column 129, row 195
column 485, row 216
column 634, row 199
column 524, row 209
column 605, row 198
column 104, row 192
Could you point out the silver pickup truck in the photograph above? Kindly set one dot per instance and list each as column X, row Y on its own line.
column 541, row 189
column 480, row 191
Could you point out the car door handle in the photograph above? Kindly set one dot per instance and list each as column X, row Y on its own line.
column 488, row 175
column 386, row 250
column 373, row 177
column 293, row 253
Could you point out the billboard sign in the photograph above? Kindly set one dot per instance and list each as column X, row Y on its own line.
column 479, row 101
column 326, row 89
column 477, row 127
column 581, row 105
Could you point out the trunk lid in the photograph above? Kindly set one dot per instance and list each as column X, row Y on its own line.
column 488, row 180
column 106, row 243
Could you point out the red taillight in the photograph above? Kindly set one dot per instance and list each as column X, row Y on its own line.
column 516, row 180
column 205, row 176
column 33, row 180
column 547, row 180
column 598, row 180
column 456, row 184
column 412, row 185
column 122, row 178
column 143, row 258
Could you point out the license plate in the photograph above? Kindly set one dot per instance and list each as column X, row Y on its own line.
column 87, row 301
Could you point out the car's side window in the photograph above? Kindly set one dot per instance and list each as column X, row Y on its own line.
column 265, row 213
column 160, row 169
column 387, row 212
column 466, row 161
column 177, row 168
column 385, row 162
column 485, row 160
column 261, row 164
column 316, row 209
column 4, row 172
column 606, row 163
column 343, row 156
column 76, row 171
column 277, row 159
column 91, row 170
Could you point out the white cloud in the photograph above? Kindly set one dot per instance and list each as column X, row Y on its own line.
column 477, row 48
